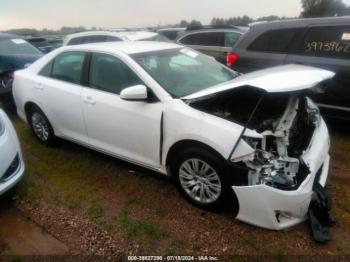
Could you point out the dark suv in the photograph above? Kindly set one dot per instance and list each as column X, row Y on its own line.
column 319, row 42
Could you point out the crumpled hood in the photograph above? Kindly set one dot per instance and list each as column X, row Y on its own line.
column 286, row 78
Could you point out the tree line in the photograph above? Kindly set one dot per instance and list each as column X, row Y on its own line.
column 311, row 8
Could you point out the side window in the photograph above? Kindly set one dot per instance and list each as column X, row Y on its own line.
column 112, row 39
column 110, row 74
column 95, row 39
column 76, row 41
column 46, row 70
column 189, row 39
column 204, row 39
column 274, row 41
column 329, row 41
column 68, row 67
column 231, row 38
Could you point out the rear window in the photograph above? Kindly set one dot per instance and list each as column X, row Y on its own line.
column 204, row 39
column 17, row 47
column 77, row 41
column 329, row 41
column 95, row 39
column 274, row 41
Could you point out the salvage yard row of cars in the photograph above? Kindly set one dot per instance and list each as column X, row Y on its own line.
column 256, row 141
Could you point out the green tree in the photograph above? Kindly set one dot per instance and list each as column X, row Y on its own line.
column 321, row 8
column 195, row 23
column 183, row 23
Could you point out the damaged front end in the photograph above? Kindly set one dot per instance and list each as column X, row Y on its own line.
column 276, row 161
column 290, row 144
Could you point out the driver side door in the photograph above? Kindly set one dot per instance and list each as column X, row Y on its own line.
column 126, row 129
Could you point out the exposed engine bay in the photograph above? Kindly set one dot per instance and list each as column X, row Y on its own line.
column 286, row 122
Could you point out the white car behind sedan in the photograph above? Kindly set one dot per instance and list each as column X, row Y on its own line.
column 11, row 161
column 252, row 140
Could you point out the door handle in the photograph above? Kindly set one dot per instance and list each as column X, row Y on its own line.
column 89, row 100
column 38, row 86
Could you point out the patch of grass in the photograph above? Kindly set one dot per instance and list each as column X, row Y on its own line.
column 15, row 259
column 346, row 205
column 142, row 227
column 176, row 247
column 106, row 226
column 73, row 203
column 95, row 210
column 279, row 255
column 346, row 249
column 252, row 242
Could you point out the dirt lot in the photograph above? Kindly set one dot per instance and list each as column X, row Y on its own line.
column 99, row 205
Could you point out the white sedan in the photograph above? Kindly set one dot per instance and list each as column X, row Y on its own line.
column 11, row 161
column 253, row 140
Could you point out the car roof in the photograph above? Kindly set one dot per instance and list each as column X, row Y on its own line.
column 182, row 34
column 172, row 29
column 299, row 22
column 8, row 36
column 125, row 47
column 125, row 35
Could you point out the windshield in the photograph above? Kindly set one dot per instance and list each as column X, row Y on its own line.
column 17, row 47
column 182, row 72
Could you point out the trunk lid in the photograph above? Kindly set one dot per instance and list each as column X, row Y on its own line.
column 286, row 78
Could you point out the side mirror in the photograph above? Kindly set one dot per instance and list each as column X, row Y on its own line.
column 134, row 93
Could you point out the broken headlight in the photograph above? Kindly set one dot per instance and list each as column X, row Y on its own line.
column 253, row 142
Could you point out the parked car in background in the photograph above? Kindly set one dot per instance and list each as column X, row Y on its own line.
column 41, row 43
column 108, row 36
column 15, row 53
column 171, row 33
column 55, row 42
column 319, row 42
column 11, row 161
column 255, row 140
column 215, row 41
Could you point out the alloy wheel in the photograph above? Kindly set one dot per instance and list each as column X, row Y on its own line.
column 40, row 126
column 200, row 181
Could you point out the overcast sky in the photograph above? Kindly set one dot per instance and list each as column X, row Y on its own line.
column 133, row 13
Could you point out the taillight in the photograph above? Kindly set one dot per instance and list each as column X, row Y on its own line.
column 231, row 58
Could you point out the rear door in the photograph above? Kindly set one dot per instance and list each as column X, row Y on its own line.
column 58, row 90
column 328, row 47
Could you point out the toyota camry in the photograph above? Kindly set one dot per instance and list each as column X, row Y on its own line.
column 255, row 141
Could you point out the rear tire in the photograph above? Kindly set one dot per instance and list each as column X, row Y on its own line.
column 201, row 176
column 41, row 126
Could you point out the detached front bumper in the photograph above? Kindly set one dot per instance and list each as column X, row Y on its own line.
column 272, row 208
column 11, row 161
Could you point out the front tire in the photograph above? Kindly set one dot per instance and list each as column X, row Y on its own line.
column 200, row 176
column 41, row 127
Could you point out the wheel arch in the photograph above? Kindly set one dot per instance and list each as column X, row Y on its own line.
column 28, row 106
column 182, row 144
